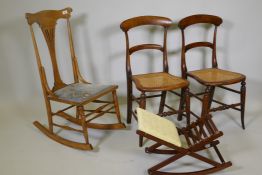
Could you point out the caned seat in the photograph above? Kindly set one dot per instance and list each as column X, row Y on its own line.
column 78, row 95
column 213, row 77
column 158, row 81
column 191, row 141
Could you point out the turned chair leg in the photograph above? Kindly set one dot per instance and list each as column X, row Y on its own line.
column 142, row 104
column 243, row 102
column 162, row 102
column 181, row 104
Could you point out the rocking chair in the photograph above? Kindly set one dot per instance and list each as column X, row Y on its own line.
column 199, row 135
column 76, row 95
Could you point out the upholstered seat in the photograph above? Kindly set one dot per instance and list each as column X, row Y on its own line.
column 158, row 81
column 82, row 92
column 213, row 76
column 158, row 127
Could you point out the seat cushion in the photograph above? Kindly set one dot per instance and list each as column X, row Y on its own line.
column 158, row 127
column 81, row 92
column 215, row 76
column 158, row 81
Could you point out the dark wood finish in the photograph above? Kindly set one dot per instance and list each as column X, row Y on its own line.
column 211, row 77
column 47, row 20
column 200, row 135
column 151, row 82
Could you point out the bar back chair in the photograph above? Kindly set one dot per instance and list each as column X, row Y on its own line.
column 211, row 77
column 77, row 95
column 200, row 135
column 155, row 81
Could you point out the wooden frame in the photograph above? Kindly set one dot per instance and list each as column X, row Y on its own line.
column 143, row 82
column 200, row 135
column 84, row 117
column 219, row 78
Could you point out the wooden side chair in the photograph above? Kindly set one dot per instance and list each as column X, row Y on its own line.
column 199, row 135
column 77, row 95
column 211, row 77
column 155, row 81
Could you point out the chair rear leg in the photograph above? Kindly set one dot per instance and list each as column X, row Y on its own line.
column 243, row 102
column 49, row 115
column 162, row 102
column 129, row 102
column 181, row 104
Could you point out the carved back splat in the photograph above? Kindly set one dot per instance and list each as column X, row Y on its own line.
column 47, row 20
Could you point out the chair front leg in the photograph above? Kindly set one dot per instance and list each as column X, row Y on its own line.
column 142, row 104
column 211, row 95
column 187, row 99
column 83, row 123
column 162, row 102
column 116, row 105
column 129, row 101
column 243, row 102
column 181, row 104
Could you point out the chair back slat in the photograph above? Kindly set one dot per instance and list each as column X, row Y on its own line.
column 200, row 18
column 145, row 20
column 47, row 20
column 197, row 19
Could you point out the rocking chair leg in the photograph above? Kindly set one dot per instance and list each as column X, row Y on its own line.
column 243, row 101
column 116, row 106
column 162, row 102
column 165, row 162
column 83, row 122
column 181, row 104
column 219, row 154
column 142, row 104
column 50, row 117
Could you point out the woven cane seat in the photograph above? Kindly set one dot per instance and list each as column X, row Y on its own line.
column 213, row 76
column 158, row 81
